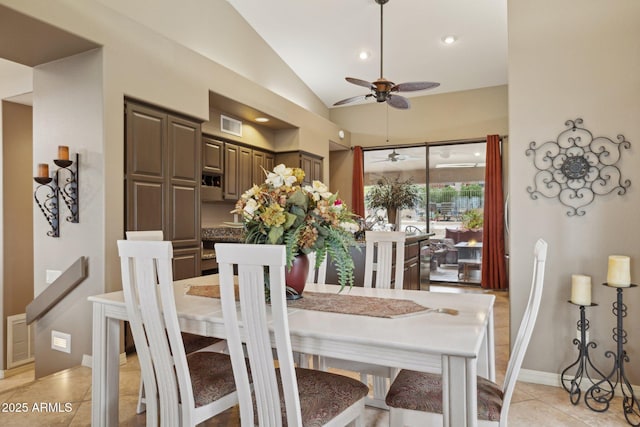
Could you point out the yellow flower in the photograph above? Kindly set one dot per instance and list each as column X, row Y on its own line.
column 273, row 216
column 299, row 174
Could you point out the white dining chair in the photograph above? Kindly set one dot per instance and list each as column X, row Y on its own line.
column 301, row 396
column 384, row 255
column 415, row 398
column 382, row 249
column 317, row 275
column 192, row 342
column 190, row 388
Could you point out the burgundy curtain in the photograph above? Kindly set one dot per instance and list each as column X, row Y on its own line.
column 494, row 271
column 357, row 189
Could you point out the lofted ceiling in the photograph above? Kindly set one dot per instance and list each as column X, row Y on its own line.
column 321, row 41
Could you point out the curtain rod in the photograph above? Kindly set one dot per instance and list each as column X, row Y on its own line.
column 420, row 144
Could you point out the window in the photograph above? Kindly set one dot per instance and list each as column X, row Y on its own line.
column 456, row 203
column 402, row 164
column 451, row 193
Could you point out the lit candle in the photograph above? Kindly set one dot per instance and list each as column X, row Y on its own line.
column 580, row 289
column 63, row 152
column 619, row 273
column 43, row 170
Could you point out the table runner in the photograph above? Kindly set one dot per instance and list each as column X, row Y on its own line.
column 335, row 303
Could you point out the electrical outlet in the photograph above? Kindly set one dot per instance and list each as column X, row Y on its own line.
column 52, row 275
column 60, row 341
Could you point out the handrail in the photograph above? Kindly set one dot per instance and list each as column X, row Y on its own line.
column 56, row 291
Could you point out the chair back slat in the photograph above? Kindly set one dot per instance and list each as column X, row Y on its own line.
column 258, row 319
column 526, row 326
column 148, row 291
column 379, row 256
column 317, row 275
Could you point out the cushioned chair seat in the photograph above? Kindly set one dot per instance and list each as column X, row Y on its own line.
column 211, row 376
column 420, row 391
column 323, row 395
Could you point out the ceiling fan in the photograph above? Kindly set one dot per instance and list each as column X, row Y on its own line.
column 384, row 90
column 394, row 156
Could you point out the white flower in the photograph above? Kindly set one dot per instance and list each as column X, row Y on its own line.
column 349, row 226
column 280, row 176
column 253, row 191
column 318, row 190
column 250, row 207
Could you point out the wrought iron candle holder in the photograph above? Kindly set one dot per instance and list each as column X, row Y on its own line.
column 48, row 202
column 598, row 397
column 47, row 194
column 69, row 190
column 585, row 369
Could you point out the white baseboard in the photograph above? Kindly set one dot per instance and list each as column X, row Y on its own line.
column 87, row 360
column 554, row 380
column 539, row 377
column 17, row 370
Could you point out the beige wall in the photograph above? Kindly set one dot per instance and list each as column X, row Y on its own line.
column 449, row 116
column 257, row 136
column 17, row 79
column 17, row 194
column 62, row 90
column 570, row 59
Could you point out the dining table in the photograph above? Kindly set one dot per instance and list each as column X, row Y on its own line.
column 460, row 346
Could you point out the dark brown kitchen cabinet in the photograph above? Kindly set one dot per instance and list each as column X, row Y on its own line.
column 186, row 263
column 237, row 170
column 416, row 267
column 162, row 180
column 262, row 161
column 212, row 156
column 411, row 274
column 311, row 164
column 243, row 168
column 231, row 159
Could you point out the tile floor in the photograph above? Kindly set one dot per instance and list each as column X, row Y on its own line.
column 64, row 398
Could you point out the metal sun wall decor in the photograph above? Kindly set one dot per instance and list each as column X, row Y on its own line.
column 577, row 167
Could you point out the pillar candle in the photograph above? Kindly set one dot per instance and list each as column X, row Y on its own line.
column 63, row 152
column 619, row 273
column 580, row 289
column 43, row 170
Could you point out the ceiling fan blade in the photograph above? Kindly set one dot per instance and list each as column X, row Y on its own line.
column 412, row 86
column 398, row 101
column 360, row 82
column 352, row 99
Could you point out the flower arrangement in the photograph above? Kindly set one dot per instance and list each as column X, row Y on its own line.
column 303, row 218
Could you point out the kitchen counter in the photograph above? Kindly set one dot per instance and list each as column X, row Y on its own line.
column 222, row 234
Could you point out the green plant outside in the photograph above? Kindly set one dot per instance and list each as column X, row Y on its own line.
column 473, row 219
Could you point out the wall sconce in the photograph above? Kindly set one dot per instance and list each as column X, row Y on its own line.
column 47, row 194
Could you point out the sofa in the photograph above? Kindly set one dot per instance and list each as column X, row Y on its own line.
column 463, row 235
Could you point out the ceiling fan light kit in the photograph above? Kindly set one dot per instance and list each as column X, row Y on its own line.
column 384, row 90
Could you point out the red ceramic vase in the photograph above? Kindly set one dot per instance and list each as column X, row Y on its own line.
column 296, row 277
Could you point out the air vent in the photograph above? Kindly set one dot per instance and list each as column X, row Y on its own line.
column 229, row 125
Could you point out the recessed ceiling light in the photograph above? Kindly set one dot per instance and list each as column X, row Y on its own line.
column 364, row 55
column 262, row 119
column 451, row 39
column 476, row 154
